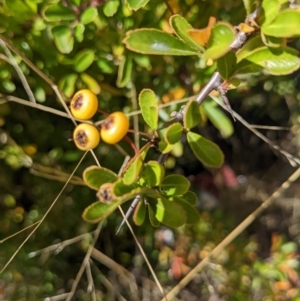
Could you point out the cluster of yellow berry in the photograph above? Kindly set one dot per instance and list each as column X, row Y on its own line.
column 84, row 106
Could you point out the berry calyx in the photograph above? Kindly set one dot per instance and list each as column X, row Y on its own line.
column 114, row 128
column 84, row 104
column 86, row 136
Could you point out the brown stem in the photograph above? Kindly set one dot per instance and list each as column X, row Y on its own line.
column 103, row 112
column 140, row 133
column 130, row 142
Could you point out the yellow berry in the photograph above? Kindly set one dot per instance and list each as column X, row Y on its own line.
column 84, row 104
column 114, row 128
column 86, row 136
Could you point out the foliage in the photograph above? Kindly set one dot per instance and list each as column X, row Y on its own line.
column 135, row 55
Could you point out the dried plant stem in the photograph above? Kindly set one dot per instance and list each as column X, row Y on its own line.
column 232, row 235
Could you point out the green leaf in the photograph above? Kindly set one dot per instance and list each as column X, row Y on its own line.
column 181, row 26
column 207, row 152
column 67, row 84
column 78, row 32
column 83, row 60
column 58, row 12
column 222, row 35
column 153, row 41
column 124, row 71
column 63, row 38
column 251, row 44
column 192, row 214
column 139, row 213
column 226, row 65
column 120, row 188
column 149, row 107
column 173, row 133
column 134, row 166
column 175, row 185
column 95, row 176
column 136, row 4
column 167, row 212
column 111, row 7
column 99, row 211
column 218, row 118
column 152, row 175
column 268, row 11
column 164, row 147
column 191, row 115
column 277, row 61
column 88, row 15
column 190, row 197
column 286, row 25
column 153, row 220
column 91, row 83
column 249, row 6
column 273, row 41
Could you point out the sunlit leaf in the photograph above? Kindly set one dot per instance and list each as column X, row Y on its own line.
column 173, row 133
column 136, row 4
column 83, row 59
column 111, row 7
column 175, row 185
column 226, row 65
column 63, row 38
column 67, row 84
column 205, row 150
column 152, row 175
column 149, row 107
column 91, row 83
column 59, row 12
column 124, row 72
column 88, row 15
column 139, row 213
column 191, row 115
column 268, row 11
column 153, row 41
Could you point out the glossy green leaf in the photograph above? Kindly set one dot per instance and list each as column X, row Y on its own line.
column 173, row 133
column 153, row 41
column 168, row 212
column 153, row 220
column 226, row 65
column 277, row 61
column 268, row 11
column 164, row 147
column 191, row 115
column 95, row 176
column 111, row 7
column 190, row 197
column 192, row 214
column 59, row 12
column 136, row 4
column 149, row 107
column 78, row 32
column 152, row 174
column 99, row 211
column 121, row 189
column 88, row 15
column 134, row 166
column 218, row 118
column 181, row 26
column 251, row 45
column 83, row 60
column 222, row 35
column 91, row 83
column 286, row 25
column 67, row 84
column 63, row 38
column 139, row 213
column 124, row 71
column 206, row 151
column 175, row 185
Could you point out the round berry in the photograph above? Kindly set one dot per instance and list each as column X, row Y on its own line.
column 84, row 104
column 86, row 136
column 114, row 128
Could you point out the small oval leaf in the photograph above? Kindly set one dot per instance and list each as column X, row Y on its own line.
column 222, row 35
column 207, row 152
column 67, row 84
column 175, row 185
column 226, row 65
column 192, row 214
column 190, row 197
column 63, row 38
column 192, row 115
column 136, row 4
column 153, row 41
column 139, row 213
column 83, row 60
column 152, row 175
column 111, row 7
column 124, row 71
column 95, row 176
column 58, row 12
column 88, row 15
column 91, row 83
column 149, row 107
column 173, row 133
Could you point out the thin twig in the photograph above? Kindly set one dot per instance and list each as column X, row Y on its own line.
column 91, row 285
column 22, row 77
column 60, row 245
column 85, row 262
column 292, row 159
column 233, row 234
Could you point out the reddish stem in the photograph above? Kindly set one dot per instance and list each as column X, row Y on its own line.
column 103, row 112
column 130, row 142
